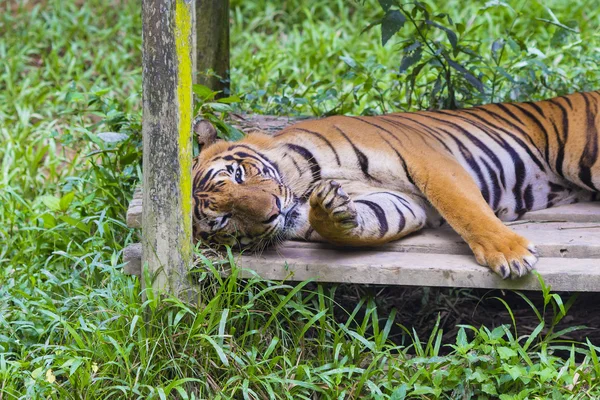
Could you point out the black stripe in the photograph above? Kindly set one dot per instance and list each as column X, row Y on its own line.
column 492, row 135
column 539, row 125
column 402, row 161
column 298, row 169
column 468, row 156
column 520, row 170
column 207, row 176
column 265, row 159
column 590, row 151
column 495, row 185
column 478, row 143
column 402, row 221
column 426, row 128
column 506, row 121
column 309, row 232
column 466, row 153
column 506, row 110
column 400, row 199
column 379, row 213
column 507, row 133
column 560, row 155
column 323, row 138
column 537, row 108
column 566, row 98
column 363, row 161
column 315, row 168
column 528, row 196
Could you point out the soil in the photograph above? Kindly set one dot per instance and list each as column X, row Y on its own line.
column 419, row 307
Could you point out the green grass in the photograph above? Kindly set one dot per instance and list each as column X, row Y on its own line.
column 73, row 326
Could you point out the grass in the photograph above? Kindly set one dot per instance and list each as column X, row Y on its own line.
column 73, row 326
column 310, row 56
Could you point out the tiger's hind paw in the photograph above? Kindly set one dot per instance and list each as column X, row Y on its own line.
column 332, row 209
column 508, row 255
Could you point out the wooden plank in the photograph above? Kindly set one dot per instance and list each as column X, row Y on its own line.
column 212, row 44
column 266, row 123
column 409, row 269
column 562, row 240
column 134, row 212
column 132, row 257
column 392, row 268
column 580, row 212
column 167, row 142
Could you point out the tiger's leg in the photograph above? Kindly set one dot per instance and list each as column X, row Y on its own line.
column 456, row 196
column 366, row 216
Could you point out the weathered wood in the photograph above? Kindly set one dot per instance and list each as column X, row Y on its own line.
column 167, row 141
column 134, row 212
column 408, row 269
column 392, row 268
column 570, row 257
column 581, row 212
column 132, row 257
column 212, row 44
column 560, row 240
column 266, row 123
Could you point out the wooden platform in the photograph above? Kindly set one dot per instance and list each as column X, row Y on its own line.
column 567, row 238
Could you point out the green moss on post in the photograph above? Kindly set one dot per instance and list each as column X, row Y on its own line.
column 166, row 128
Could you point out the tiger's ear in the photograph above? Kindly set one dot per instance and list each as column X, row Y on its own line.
column 205, row 133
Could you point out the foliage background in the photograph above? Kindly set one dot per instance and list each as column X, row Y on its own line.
column 72, row 326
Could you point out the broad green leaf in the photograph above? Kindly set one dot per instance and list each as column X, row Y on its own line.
column 204, row 93
column 349, row 61
column 506, row 352
column 66, row 201
column 52, row 202
column 400, row 393
column 229, row 100
column 392, row 22
column 410, row 59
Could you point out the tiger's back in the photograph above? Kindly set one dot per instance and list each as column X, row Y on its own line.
column 368, row 180
column 515, row 152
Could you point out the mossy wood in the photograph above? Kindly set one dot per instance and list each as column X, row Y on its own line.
column 167, row 143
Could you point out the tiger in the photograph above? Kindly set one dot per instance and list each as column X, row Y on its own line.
column 362, row 181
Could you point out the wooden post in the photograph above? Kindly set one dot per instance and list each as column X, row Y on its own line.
column 166, row 129
column 212, row 43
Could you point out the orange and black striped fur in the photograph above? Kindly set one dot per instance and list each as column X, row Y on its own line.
column 364, row 181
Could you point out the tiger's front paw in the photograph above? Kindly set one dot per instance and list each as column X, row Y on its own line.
column 505, row 253
column 332, row 212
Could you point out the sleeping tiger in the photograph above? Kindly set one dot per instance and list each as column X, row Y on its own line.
column 365, row 181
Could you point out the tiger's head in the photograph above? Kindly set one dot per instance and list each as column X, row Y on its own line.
column 239, row 197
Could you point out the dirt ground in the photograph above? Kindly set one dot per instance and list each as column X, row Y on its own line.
column 420, row 307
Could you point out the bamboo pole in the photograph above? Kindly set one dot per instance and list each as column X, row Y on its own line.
column 167, row 142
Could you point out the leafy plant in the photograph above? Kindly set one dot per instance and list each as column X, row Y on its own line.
column 216, row 110
column 73, row 326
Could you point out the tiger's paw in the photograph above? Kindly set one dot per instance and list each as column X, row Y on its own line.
column 505, row 253
column 332, row 212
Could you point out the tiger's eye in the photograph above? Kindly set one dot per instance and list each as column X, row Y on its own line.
column 238, row 175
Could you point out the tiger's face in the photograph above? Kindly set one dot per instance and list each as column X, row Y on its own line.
column 240, row 198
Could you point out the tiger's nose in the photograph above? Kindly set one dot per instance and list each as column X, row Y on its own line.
column 275, row 210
